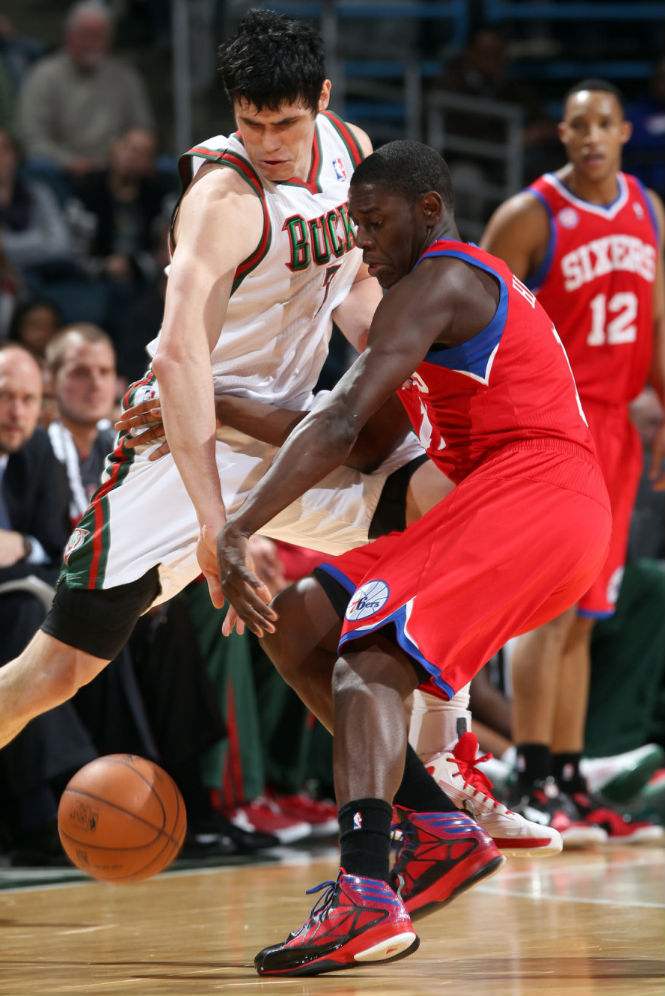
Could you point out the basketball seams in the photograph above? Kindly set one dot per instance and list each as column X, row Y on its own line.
column 166, row 821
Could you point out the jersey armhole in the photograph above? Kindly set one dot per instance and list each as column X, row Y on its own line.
column 534, row 280
column 243, row 168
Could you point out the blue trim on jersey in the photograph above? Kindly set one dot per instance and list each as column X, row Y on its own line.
column 649, row 207
column 590, row 614
column 566, row 192
column 474, row 356
column 341, row 578
column 534, row 280
column 398, row 620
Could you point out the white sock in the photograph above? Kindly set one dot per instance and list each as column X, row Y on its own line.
column 437, row 724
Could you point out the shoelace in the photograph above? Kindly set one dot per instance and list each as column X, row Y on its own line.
column 324, row 901
column 472, row 776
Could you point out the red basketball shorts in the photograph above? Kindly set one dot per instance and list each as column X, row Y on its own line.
column 516, row 543
column 620, row 457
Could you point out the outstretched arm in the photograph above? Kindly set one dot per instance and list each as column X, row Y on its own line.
column 407, row 321
column 260, row 420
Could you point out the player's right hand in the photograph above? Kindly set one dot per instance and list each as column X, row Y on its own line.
column 248, row 596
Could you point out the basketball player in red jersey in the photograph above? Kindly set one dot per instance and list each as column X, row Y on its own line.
column 588, row 240
column 487, row 386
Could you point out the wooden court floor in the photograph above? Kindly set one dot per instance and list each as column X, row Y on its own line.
column 584, row 923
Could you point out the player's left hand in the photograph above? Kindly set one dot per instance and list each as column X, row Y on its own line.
column 657, row 462
column 143, row 425
column 249, row 597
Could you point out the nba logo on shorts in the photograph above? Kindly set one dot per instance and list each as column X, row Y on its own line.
column 338, row 166
column 367, row 600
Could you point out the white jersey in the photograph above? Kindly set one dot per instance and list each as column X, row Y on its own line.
column 271, row 348
column 279, row 319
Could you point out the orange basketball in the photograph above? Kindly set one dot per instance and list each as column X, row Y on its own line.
column 121, row 818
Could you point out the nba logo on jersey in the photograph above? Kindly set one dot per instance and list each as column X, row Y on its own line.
column 338, row 166
column 357, row 821
column 368, row 599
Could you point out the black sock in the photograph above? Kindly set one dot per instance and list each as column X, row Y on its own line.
column 566, row 770
column 364, row 836
column 418, row 790
column 533, row 764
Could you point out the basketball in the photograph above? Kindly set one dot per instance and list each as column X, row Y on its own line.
column 121, row 818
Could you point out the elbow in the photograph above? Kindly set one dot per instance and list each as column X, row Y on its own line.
column 163, row 363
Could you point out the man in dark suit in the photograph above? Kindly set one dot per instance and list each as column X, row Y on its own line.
column 34, row 525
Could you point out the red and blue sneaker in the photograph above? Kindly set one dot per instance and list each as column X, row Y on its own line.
column 356, row 921
column 441, row 855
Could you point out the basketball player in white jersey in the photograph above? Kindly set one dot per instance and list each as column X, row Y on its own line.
column 263, row 259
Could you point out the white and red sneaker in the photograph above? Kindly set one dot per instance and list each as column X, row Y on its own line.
column 264, row 815
column 456, row 773
column 321, row 816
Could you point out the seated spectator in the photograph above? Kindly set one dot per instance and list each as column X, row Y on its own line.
column 33, row 529
column 125, row 199
column 34, row 232
column 81, row 362
column 75, row 102
column 34, row 323
column 122, row 205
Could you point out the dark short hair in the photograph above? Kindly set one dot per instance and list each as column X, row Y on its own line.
column 604, row 86
column 272, row 60
column 410, row 169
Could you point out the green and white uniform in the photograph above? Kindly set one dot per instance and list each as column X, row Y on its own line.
column 272, row 348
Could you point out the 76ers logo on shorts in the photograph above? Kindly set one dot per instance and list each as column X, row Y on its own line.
column 367, row 600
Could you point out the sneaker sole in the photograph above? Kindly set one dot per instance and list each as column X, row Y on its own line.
column 583, row 836
column 645, row 835
column 428, row 903
column 529, row 847
column 383, row 951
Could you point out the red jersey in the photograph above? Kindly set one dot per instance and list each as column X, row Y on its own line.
column 596, row 283
column 511, row 382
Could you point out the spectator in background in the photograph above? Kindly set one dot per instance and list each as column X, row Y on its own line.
column 125, row 199
column 35, row 235
column 124, row 203
column 33, row 530
column 81, row 362
column 74, row 103
column 34, row 323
